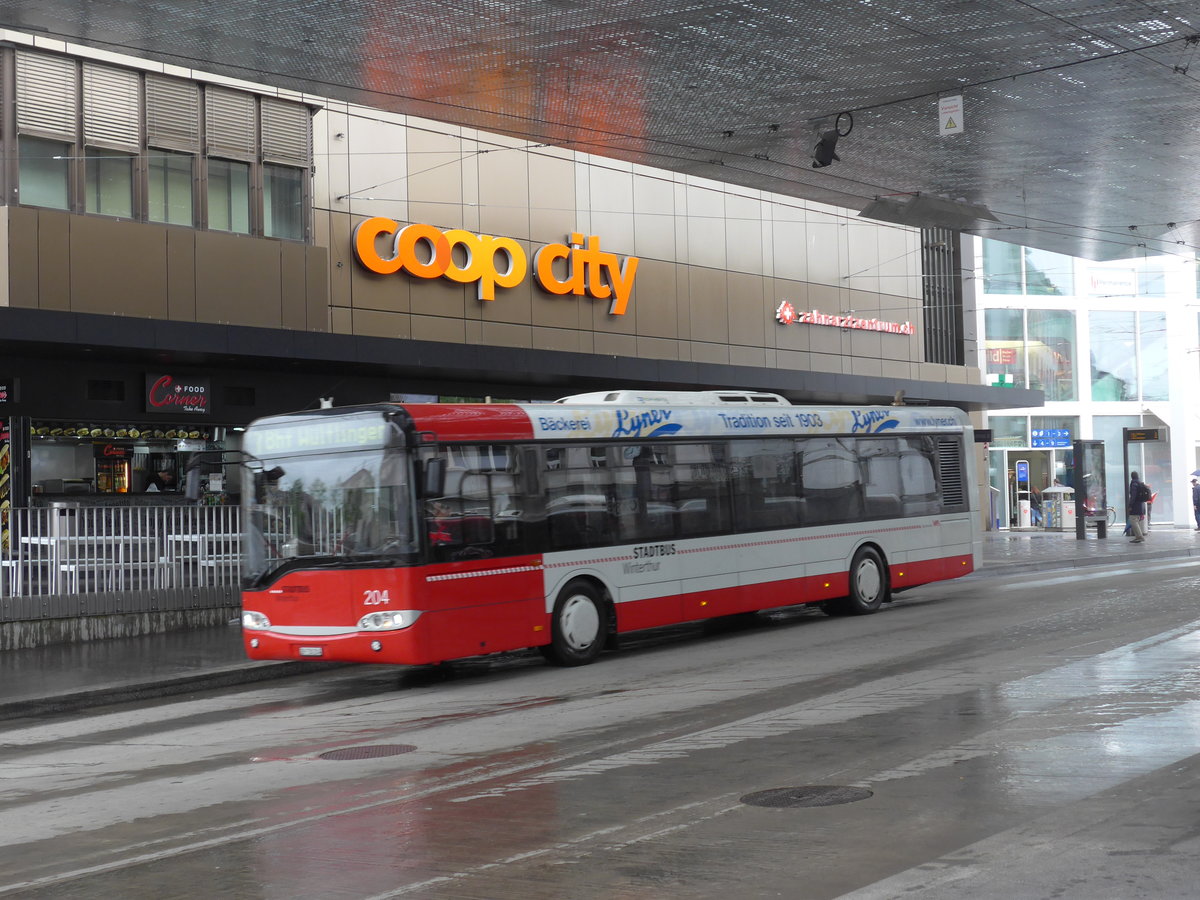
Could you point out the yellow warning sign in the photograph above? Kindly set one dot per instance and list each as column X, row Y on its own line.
column 950, row 115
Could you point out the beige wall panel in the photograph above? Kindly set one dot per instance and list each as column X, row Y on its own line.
column 293, row 275
column 118, row 268
column 556, row 339
column 825, row 362
column 789, row 251
column 862, row 366
column 316, row 265
column 434, row 173
column 862, row 256
column 934, row 372
column 514, row 304
column 747, row 310
column 386, row 293
column 441, row 297
column 654, row 303
column 181, row 274
column 865, row 344
column 23, row 268
column 53, row 254
column 706, row 241
column 747, row 356
column 897, row 347
column 603, row 320
column 743, row 234
column 657, row 348
column 866, row 304
column 557, row 310
column 795, row 337
column 335, row 232
column 614, row 344
column 717, row 354
column 898, row 252
column 375, row 175
column 237, row 280
column 504, row 191
column 341, row 320
column 502, row 334
column 375, row 323
column 653, row 218
column 437, row 328
column 893, row 369
column 472, row 331
column 787, row 359
column 828, row 299
column 551, row 185
column 683, row 303
column 824, row 245
column 706, row 305
column 551, row 226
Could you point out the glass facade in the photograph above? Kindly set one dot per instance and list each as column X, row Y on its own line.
column 45, row 173
column 1113, row 338
column 170, row 191
column 283, row 202
column 1152, row 353
column 1004, row 343
column 1051, row 349
column 1048, row 274
column 109, row 183
column 1012, row 269
column 229, row 196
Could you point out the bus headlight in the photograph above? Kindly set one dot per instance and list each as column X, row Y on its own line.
column 388, row 621
column 255, row 621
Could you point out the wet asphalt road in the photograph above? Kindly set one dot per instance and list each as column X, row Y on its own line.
column 1006, row 739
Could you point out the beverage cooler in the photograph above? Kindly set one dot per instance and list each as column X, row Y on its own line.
column 112, row 469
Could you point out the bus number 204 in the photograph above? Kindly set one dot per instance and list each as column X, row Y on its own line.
column 376, row 598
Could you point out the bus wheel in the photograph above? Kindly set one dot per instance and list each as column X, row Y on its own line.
column 868, row 586
column 577, row 629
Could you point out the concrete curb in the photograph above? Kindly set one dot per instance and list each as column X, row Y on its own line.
column 226, row 676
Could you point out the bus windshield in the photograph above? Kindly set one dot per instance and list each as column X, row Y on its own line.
column 328, row 507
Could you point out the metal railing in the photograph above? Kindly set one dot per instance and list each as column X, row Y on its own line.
column 73, row 551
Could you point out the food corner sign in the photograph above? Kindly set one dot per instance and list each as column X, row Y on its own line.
column 490, row 262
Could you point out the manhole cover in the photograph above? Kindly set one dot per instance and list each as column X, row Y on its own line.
column 368, row 751
column 812, row 795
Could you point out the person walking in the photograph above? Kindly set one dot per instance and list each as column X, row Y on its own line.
column 1196, row 502
column 1137, row 496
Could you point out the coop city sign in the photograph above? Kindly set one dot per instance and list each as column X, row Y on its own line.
column 424, row 251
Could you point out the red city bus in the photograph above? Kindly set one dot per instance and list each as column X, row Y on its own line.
column 419, row 533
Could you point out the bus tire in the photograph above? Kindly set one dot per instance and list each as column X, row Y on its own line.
column 577, row 627
column 868, row 586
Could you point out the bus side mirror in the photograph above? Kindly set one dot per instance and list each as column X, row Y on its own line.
column 433, row 484
column 260, row 483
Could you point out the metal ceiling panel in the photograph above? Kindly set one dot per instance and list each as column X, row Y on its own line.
column 1082, row 117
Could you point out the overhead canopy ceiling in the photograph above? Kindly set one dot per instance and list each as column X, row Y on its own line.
column 1079, row 132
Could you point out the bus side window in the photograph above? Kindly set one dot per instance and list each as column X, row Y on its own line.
column 917, row 475
column 701, row 481
column 832, row 490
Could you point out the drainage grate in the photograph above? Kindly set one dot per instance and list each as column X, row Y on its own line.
column 811, row 795
column 368, row 751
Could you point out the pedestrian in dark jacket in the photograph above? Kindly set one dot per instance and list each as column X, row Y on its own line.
column 1138, row 495
column 1196, row 502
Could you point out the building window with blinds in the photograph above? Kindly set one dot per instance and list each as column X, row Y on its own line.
column 45, row 175
column 98, row 139
column 172, row 178
column 109, row 183
column 229, row 196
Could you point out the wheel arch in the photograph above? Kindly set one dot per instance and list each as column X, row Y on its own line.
column 553, row 592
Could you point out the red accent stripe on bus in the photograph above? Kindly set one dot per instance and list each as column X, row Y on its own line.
column 472, row 422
